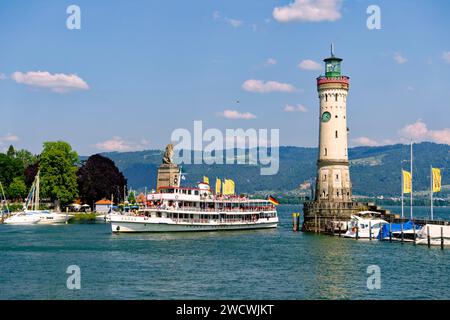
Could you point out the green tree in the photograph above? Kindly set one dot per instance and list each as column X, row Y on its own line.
column 132, row 197
column 17, row 189
column 11, row 152
column 9, row 169
column 58, row 172
column 26, row 157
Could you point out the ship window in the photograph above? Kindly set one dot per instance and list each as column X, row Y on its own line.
column 196, row 192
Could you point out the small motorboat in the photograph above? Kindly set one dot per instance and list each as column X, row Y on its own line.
column 365, row 225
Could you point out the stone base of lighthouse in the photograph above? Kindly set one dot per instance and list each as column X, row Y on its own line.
column 329, row 217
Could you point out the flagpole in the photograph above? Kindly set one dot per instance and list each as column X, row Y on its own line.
column 403, row 185
column 411, row 197
column 431, row 191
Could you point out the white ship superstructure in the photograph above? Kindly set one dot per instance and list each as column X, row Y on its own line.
column 196, row 209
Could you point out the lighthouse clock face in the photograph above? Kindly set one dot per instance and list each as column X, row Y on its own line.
column 326, row 116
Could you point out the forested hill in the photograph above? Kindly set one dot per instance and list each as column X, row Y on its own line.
column 374, row 170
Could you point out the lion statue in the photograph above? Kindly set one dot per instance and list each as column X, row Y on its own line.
column 168, row 155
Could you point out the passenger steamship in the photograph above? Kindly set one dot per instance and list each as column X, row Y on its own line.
column 197, row 209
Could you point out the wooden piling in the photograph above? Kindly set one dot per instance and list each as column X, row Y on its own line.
column 298, row 221
column 319, row 224
column 442, row 238
column 339, row 229
column 414, row 233
column 428, row 236
column 357, row 233
column 370, row 230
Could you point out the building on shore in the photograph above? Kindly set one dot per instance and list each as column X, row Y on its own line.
column 103, row 205
column 332, row 205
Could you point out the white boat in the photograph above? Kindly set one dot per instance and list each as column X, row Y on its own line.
column 196, row 209
column 436, row 232
column 23, row 218
column 34, row 215
column 363, row 223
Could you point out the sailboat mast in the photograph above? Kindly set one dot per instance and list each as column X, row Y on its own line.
column 36, row 199
column 411, row 198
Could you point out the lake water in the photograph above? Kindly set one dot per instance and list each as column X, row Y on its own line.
column 264, row 264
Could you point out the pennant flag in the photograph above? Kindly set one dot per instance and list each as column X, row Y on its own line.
column 407, row 182
column 218, row 185
column 272, row 200
column 205, row 179
column 436, row 179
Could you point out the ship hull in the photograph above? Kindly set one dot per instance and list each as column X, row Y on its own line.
column 121, row 224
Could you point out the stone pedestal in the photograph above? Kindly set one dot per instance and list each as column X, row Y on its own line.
column 169, row 175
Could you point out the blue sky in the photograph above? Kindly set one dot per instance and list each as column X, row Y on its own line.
column 137, row 70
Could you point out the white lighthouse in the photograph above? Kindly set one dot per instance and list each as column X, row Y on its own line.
column 333, row 176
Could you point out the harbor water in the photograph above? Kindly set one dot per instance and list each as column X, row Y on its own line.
column 264, row 264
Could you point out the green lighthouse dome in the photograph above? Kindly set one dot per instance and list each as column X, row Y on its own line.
column 332, row 65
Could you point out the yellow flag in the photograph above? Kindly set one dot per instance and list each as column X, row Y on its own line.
column 218, row 185
column 229, row 187
column 436, row 179
column 205, row 179
column 407, row 182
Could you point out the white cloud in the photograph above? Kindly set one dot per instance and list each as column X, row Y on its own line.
column 119, row 144
column 259, row 86
column 216, row 15
column 310, row 65
column 233, row 114
column 365, row 141
column 271, row 62
column 399, row 58
column 58, row 82
column 418, row 131
column 297, row 108
column 309, row 11
column 7, row 139
column 446, row 56
column 234, row 22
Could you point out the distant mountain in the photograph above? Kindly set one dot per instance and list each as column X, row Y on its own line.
column 375, row 171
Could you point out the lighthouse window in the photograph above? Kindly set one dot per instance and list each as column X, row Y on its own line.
column 326, row 97
column 337, row 177
column 325, row 152
column 336, row 134
column 335, row 97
